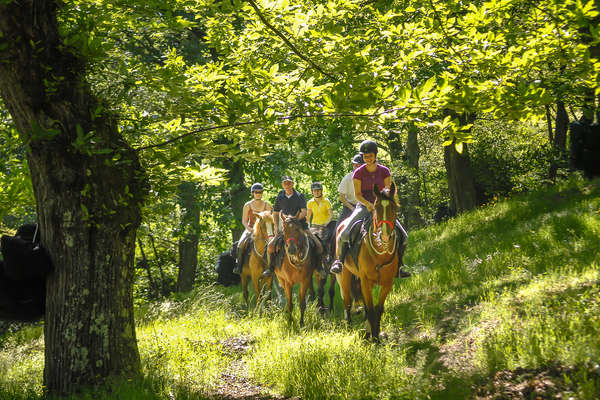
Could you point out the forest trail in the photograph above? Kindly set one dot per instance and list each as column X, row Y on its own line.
column 235, row 381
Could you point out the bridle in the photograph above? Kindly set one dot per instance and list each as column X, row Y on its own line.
column 376, row 226
column 266, row 237
column 306, row 251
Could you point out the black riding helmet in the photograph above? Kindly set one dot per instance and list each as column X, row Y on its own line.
column 368, row 146
column 255, row 187
column 358, row 159
column 316, row 185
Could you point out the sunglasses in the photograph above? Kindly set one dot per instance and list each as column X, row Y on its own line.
column 258, row 191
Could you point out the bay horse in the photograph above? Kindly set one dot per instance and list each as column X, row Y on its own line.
column 299, row 263
column 253, row 264
column 378, row 261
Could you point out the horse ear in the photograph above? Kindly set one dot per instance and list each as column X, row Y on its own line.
column 393, row 189
column 376, row 190
column 297, row 214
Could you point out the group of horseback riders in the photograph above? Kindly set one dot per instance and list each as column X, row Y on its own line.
column 356, row 191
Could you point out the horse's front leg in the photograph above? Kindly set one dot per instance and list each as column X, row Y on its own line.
column 366, row 287
column 245, row 286
column 304, row 285
column 287, row 287
column 344, row 280
column 322, row 280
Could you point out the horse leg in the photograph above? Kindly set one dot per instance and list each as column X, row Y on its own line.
column 245, row 286
column 288, row 295
column 343, row 280
column 256, row 284
column 304, row 284
column 385, row 290
column 322, row 280
column 332, row 282
column 367, row 292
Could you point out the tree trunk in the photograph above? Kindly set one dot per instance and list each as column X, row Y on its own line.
column 88, row 185
column 460, row 179
column 188, row 244
column 238, row 195
column 560, row 138
column 414, row 218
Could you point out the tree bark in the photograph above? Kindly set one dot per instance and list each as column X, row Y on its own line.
column 188, row 244
column 413, row 216
column 238, row 195
column 560, row 138
column 460, row 179
column 88, row 186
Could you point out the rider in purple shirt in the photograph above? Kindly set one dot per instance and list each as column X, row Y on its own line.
column 365, row 178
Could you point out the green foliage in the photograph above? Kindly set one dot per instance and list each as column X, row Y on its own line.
column 510, row 288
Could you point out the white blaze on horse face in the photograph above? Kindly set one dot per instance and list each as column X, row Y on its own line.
column 385, row 227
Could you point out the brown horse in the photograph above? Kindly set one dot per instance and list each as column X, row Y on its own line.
column 377, row 261
column 254, row 264
column 299, row 263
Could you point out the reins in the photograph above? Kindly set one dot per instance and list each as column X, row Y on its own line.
column 305, row 253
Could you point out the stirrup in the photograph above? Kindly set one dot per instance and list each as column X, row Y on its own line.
column 267, row 273
column 336, row 267
column 403, row 273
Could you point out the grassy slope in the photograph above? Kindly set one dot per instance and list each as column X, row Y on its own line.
column 506, row 295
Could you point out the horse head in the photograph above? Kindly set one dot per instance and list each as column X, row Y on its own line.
column 293, row 235
column 384, row 213
column 264, row 226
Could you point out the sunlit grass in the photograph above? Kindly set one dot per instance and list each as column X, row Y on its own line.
column 510, row 286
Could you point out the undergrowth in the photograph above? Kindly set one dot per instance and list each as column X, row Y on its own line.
column 507, row 290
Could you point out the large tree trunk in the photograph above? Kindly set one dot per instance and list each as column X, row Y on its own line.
column 188, row 244
column 460, row 179
column 88, row 186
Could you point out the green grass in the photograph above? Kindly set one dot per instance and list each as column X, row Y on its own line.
column 512, row 287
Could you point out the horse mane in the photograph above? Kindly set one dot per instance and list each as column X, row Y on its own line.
column 261, row 215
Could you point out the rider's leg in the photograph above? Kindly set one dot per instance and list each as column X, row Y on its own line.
column 270, row 256
column 241, row 246
column 342, row 244
column 402, row 273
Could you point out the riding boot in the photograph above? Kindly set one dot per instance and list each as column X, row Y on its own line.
column 270, row 257
column 338, row 264
column 241, row 247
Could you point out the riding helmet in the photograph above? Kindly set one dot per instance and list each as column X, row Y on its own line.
column 316, row 185
column 255, row 187
column 358, row 159
column 368, row 146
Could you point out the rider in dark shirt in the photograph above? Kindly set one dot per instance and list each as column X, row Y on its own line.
column 288, row 202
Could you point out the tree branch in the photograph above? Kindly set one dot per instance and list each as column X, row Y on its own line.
column 287, row 117
column 287, row 42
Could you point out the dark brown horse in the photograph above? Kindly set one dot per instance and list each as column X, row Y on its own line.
column 377, row 261
column 254, row 264
column 299, row 263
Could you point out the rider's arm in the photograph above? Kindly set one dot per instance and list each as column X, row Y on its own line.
column 302, row 213
column 359, row 196
column 276, row 221
column 308, row 215
column 329, row 213
column 345, row 201
column 387, row 181
column 245, row 220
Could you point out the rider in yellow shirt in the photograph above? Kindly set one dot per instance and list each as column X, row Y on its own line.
column 319, row 211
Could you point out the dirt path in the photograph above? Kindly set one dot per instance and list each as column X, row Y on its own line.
column 235, row 381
